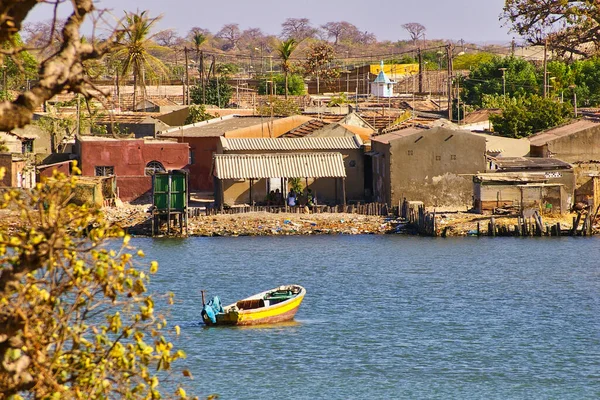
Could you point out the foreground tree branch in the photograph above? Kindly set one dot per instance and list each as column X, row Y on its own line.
column 62, row 71
column 571, row 27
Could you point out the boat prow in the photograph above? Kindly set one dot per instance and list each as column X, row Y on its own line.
column 269, row 307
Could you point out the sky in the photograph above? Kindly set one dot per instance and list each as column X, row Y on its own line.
column 475, row 21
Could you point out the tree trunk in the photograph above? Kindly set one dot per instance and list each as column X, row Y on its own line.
column 134, row 90
column 286, row 84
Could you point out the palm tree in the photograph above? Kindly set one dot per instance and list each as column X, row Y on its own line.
column 285, row 50
column 198, row 39
column 134, row 50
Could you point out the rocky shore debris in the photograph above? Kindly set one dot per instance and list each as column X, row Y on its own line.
column 136, row 219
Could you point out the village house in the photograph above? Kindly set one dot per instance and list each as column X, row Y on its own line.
column 517, row 184
column 232, row 168
column 27, row 140
column 577, row 143
column 203, row 139
column 431, row 165
column 255, row 190
column 19, row 171
column 132, row 161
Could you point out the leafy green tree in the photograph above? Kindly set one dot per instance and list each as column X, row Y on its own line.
column 218, row 92
column 197, row 113
column 523, row 116
column 585, row 81
column 471, row 61
column 135, row 48
column 76, row 321
column 295, row 85
column 519, row 79
column 19, row 68
column 285, row 50
column 338, row 100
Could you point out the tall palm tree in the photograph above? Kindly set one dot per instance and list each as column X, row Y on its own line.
column 285, row 50
column 134, row 50
column 198, row 39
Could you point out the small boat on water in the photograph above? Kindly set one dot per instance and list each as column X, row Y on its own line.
column 271, row 306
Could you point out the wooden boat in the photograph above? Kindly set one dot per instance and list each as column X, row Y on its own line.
column 271, row 306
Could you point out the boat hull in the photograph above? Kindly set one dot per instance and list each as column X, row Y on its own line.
column 280, row 312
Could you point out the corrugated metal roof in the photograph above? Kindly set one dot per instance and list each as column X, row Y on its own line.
column 287, row 144
column 524, row 163
column 290, row 165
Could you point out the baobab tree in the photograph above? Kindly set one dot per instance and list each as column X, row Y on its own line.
column 415, row 30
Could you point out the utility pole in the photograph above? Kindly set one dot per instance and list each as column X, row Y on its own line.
column 545, row 67
column 202, row 77
column 187, row 78
column 458, row 98
column 503, row 82
column 420, row 55
column 449, row 56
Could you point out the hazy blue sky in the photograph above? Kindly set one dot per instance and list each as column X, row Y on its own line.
column 471, row 20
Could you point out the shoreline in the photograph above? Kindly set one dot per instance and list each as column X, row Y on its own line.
column 136, row 220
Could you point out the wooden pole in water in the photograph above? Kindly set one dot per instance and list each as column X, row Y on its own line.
column 203, row 301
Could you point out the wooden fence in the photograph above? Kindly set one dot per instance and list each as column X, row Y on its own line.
column 425, row 223
column 363, row 209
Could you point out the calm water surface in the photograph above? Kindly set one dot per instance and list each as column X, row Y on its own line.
column 389, row 317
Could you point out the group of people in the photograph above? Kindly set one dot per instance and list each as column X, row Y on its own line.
column 293, row 199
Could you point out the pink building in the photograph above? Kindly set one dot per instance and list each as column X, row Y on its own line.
column 132, row 161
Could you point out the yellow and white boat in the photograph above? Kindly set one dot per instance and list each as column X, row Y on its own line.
column 271, row 306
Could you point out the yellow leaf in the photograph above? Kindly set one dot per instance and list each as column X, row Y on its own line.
column 126, row 239
column 177, row 330
column 153, row 267
column 140, row 253
column 181, row 393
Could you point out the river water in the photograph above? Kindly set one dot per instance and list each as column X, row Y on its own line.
column 389, row 317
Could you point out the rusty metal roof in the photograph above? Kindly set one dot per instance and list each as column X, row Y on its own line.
column 306, row 128
column 291, row 144
column 290, row 165
column 527, row 163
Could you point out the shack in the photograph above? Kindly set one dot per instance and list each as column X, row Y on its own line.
column 351, row 148
column 235, row 175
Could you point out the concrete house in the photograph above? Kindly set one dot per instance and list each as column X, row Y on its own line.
column 29, row 139
column 430, row 165
column 132, row 161
column 327, row 191
column 578, row 141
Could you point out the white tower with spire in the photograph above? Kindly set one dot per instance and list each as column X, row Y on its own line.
column 382, row 86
